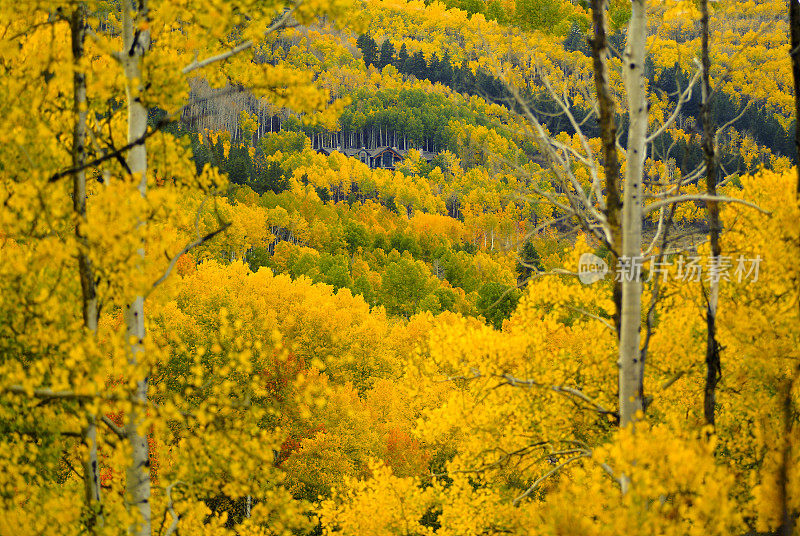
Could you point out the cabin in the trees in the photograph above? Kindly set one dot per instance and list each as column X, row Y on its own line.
column 383, row 157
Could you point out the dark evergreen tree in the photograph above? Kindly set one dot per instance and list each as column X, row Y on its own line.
column 465, row 79
column 528, row 263
column 434, row 69
column 386, row 55
column 576, row 40
column 238, row 165
column 402, row 59
column 418, row 66
column 369, row 49
column 446, row 70
column 270, row 177
column 496, row 302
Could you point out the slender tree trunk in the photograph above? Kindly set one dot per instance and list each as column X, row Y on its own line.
column 138, row 473
column 88, row 290
column 787, row 413
column 787, row 522
column 608, row 132
column 91, row 468
column 631, row 369
column 713, row 369
column 794, row 24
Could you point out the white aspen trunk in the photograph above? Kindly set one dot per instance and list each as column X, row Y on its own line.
column 631, row 370
column 138, row 471
column 91, row 467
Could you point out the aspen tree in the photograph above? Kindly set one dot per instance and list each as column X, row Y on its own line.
column 631, row 373
column 136, row 43
column 786, row 520
column 794, row 54
column 70, row 374
column 608, row 132
column 713, row 367
column 91, row 464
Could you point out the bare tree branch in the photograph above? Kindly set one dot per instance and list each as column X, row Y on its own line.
column 114, row 427
column 685, row 96
column 547, row 475
column 173, row 526
column 116, row 154
column 570, row 391
column 701, row 197
column 281, row 23
column 200, row 240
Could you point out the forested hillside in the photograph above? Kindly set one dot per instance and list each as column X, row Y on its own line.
column 390, row 267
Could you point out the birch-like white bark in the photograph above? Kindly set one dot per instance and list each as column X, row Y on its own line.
column 631, row 369
column 91, row 468
column 138, row 471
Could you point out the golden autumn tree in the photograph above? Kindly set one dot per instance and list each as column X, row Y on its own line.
column 158, row 378
column 94, row 221
column 525, row 450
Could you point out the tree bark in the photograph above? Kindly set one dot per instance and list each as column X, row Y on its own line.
column 608, row 133
column 787, row 523
column 794, row 25
column 631, row 369
column 713, row 367
column 787, row 410
column 136, row 45
column 91, row 469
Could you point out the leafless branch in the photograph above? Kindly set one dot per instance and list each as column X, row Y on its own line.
column 730, row 123
column 569, row 391
column 281, row 23
column 121, row 433
column 547, row 475
column 701, row 197
column 200, row 240
column 685, row 96
column 116, row 154
column 600, row 319
column 173, row 526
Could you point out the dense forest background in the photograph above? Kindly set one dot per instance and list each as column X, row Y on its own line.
column 214, row 321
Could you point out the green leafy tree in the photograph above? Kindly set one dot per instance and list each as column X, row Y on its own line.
column 528, row 263
column 403, row 287
column 356, row 236
column 497, row 301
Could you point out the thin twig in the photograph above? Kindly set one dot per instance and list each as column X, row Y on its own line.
column 191, row 245
column 547, row 475
column 278, row 25
column 701, row 197
column 121, row 433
